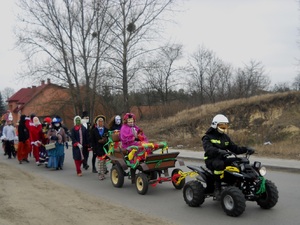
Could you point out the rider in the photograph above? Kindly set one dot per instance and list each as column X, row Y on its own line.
column 217, row 145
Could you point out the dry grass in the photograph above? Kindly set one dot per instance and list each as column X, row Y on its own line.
column 270, row 117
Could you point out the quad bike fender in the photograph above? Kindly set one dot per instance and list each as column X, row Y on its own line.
column 202, row 175
column 232, row 173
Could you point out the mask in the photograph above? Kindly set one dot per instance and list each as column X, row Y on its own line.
column 36, row 121
column 100, row 122
column 85, row 120
column 77, row 121
column 118, row 120
column 130, row 122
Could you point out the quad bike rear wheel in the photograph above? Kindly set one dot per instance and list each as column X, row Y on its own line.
column 194, row 193
column 269, row 198
column 175, row 177
column 233, row 201
column 117, row 176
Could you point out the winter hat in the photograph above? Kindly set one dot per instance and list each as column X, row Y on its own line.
column 56, row 120
column 85, row 114
column 47, row 120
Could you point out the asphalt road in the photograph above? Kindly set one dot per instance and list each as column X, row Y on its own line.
column 167, row 202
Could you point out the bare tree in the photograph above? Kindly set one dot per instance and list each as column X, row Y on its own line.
column 296, row 83
column 162, row 73
column 224, row 91
column 213, row 79
column 7, row 93
column 250, row 80
column 282, row 87
column 198, row 65
column 65, row 40
column 135, row 25
column 209, row 76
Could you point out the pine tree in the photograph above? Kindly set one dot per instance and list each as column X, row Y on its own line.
column 2, row 105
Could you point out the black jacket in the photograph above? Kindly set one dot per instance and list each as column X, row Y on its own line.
column 214, row 140
column 23, row 132
column 98, row 141
column 75, row 136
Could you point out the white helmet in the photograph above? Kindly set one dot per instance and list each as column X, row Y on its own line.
column 218, row 119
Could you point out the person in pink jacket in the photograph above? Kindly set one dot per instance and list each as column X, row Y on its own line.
column 130, row 133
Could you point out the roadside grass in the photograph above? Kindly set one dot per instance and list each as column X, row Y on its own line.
column 273, row 117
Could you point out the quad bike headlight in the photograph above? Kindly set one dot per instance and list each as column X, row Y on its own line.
column 262, row 171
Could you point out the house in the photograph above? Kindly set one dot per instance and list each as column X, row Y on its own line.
column 48, row 99
column 45, row 100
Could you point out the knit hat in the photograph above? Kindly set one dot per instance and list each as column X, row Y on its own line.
column 48, row 120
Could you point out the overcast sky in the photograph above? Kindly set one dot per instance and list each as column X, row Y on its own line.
column 236, row 30
column 241, row 30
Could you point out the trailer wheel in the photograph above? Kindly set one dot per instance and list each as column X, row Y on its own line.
column 117, row 176
column 175, row 177
column 141, row 183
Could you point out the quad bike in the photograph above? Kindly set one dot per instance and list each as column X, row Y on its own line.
column 142, row 165
column 240, row 182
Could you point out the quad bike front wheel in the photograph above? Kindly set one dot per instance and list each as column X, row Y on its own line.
column 175, row 176
column 233, row 201
column 194, row 193
column 117, row 176
column 141, row 183
column 269, row 198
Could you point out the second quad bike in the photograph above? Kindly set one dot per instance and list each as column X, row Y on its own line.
column 144, row 165
column 241, row 182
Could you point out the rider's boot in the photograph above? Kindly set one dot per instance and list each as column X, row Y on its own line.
column 217, row 191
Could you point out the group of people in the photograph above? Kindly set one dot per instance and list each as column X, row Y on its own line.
column 33, row 137
column 95, row 137
column 47, row 141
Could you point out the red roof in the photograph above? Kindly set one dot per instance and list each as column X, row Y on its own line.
column 24, row 95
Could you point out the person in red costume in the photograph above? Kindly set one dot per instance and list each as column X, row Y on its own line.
column 35, row 130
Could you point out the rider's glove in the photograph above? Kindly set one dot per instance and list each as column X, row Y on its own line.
column 223, row 152
column 250, row 151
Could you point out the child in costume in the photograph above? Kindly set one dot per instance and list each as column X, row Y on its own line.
column 45, row 140
column 24, row 143
column 57, row 135
column 130, row 133
column 35, row 130
column 9, row 136
column 115, row 123
column 79, row 136
column 99, row 137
